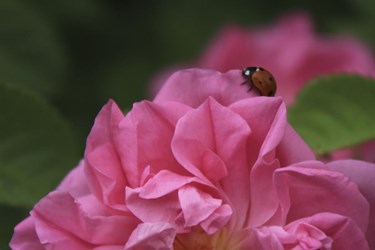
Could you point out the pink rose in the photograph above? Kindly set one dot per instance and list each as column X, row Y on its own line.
column 290, row 49
column 206, row 165
column 293, row 52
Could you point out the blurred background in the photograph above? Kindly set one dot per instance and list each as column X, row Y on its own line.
column 77, row 54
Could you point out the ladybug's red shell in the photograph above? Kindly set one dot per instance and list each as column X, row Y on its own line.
column 261, row 79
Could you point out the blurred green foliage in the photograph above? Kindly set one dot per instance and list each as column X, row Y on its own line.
column 333, row 112
column 37, row 147
column 78, row 54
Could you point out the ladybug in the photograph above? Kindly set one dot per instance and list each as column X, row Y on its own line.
column 261, row 79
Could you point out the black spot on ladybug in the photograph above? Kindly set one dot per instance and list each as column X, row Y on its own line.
column 270, row 78
column 270, row 93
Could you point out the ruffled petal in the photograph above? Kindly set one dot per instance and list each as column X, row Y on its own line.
column 79, row 224
column 210, row 142
column 266, row 118
column 204, row 139
column 328, row 231
column 166, row 208
column 164, row 183
column 196, row 205
column 102, row 164
column 217, row 220
column 262, row 114
column 309, row 188
column 363, row 174
column 145, row 139
column 25, row 236
column 179, row 201
column 105, row 176
column 152, row 236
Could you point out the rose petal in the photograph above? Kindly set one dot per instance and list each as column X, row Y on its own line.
column 312, row 189
column 213, row 166
column 25, row 237
column 194, row 86
column 152, row 236
column 217, row 220
column 267, row 120
column 292, row 148
column 102, row 166
column 105, row 176
column 166, row 208
column 363, row 174
column 210, row 142
column 196, row 205
column 146, row 134
column 261, row 114
column 343, row 232
column 79, row 223
column 163, row 183
column 105, row 126
column 195, row 145
column 75, row 182
column 311, row 237
column 263, row 240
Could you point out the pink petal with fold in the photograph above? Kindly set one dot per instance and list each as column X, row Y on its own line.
column 211, row 142
column 267, row 132
column 260, row 114
column 292, row 148
column 166, row 208
column 102, row 164
column 363, row 174
column 84, row 222
column 196, row 205
column 310, row 189
column 145, row 136
column 25, row 236
column 103, row 170
column 330, row 229
column 105, row 127
column 207, row 138
column 163, row 183
column 217, row 220
column 152, row 236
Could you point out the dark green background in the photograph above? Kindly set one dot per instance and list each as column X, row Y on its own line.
column 77, row 54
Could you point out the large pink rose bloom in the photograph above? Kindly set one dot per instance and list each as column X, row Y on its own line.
column 206, row 165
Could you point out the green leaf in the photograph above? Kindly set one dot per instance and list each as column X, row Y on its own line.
column 37, row 147
column 30, row 53
column 335, row 112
